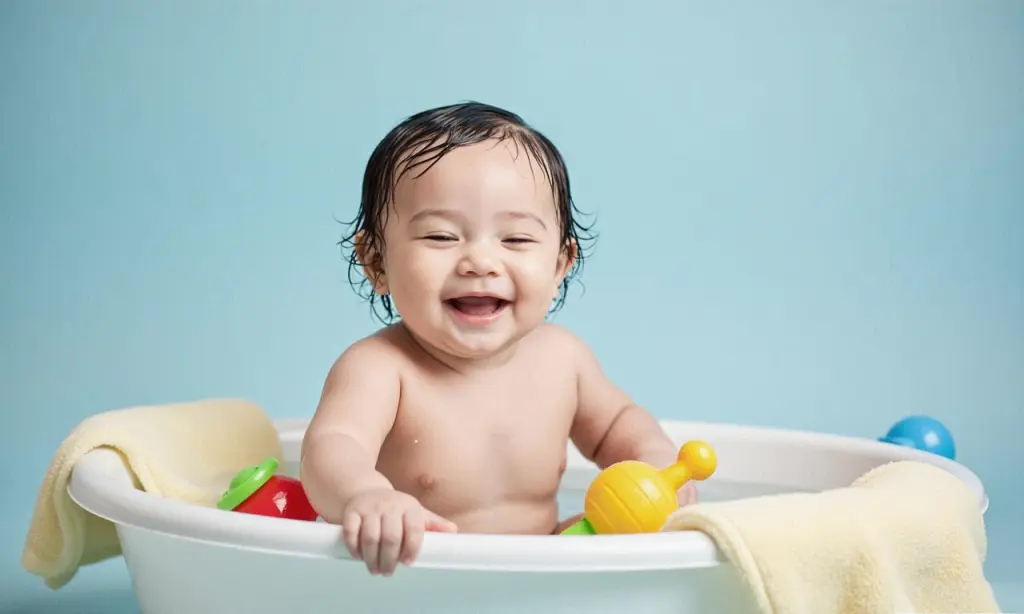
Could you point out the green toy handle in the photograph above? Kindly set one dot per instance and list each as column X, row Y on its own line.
column 580, row 527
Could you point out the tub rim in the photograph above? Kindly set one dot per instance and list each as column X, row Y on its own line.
column 102, row 484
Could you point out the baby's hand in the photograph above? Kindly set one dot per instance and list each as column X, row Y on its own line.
column 688, row 494
column 385, row 527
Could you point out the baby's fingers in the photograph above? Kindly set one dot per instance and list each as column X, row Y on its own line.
column 392, row 528
column 415, row 521
column 369, row 542
column 439, row 524
column 688, row 494
column 350, row 526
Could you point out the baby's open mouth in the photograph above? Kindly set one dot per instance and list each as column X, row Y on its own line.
column 477, row 305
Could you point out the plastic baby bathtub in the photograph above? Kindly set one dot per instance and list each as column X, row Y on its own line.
column 189, row 559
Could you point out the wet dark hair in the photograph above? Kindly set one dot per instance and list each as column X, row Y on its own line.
column 421, row 140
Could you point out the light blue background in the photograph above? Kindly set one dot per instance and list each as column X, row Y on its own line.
column 811, row 213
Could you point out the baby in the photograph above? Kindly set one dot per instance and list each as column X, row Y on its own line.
column 457, row 417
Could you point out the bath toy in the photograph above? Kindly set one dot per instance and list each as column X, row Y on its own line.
column 634, row 497
column 924, row 433
column 257, row 490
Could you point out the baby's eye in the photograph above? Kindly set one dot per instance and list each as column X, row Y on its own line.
column 439, row 238
column 519, row 240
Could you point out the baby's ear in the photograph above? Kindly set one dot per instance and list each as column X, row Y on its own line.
column 566, row 260
column 372, row 261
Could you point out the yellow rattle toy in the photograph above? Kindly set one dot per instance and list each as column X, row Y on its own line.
column 634, row 497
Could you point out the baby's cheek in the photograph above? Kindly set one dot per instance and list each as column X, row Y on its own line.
column 418, row 275
column 537, row 280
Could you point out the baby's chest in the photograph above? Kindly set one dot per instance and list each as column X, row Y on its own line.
column 448, row 440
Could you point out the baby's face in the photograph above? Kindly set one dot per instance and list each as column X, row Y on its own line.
column 472, row 258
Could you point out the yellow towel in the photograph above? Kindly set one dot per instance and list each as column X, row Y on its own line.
column 904, row 537
column 185, row 451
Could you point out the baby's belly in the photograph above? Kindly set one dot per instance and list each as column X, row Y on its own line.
column 508, row 517
column 497, row 501
column 483, row 485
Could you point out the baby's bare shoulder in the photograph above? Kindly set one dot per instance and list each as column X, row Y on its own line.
column 372, row 363
column 554, row 339
column 385, row 349
column 362, row 389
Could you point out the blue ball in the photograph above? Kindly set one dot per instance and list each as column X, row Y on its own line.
column 924, row 433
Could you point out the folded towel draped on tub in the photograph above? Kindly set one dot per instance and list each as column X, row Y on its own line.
column 904, row 537
column 184, row 451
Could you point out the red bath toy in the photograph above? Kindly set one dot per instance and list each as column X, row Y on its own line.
column 257, row 490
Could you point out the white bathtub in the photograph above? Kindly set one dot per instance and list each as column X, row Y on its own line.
column 186, row 559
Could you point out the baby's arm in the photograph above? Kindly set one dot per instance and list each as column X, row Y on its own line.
column 357, row 409
column 609, row 427
column 380, row 525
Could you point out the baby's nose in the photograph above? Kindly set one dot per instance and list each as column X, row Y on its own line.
column 477, row 260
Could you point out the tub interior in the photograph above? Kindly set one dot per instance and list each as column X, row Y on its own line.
column 752, row 461
column 573, row 488
column 570, row 494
